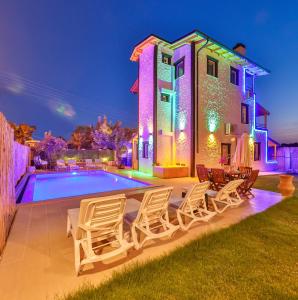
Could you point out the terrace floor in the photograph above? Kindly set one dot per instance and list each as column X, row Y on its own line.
column 38, row 261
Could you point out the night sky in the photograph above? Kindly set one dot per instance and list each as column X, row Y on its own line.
column 63, row 63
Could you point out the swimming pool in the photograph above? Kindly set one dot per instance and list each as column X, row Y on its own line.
column 61, row 185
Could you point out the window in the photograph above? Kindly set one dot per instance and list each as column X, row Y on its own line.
column 234, row 76
column 227, row 128
column 225, row 153
column 244, row 113
column 166, row 58
column 212, row 66
column 145, row 149
column 165, row 97
column 257, row 151
column 179, row 68
column 249, row 82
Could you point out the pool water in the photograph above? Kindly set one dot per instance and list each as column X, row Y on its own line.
column 60, row 185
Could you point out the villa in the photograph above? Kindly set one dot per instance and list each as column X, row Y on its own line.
column 196, row 99
column 105, row 215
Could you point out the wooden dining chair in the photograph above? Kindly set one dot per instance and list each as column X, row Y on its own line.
column 245, row 172
column 245, row 188
column 202, row 173
column 218, row 178
column 200, row 165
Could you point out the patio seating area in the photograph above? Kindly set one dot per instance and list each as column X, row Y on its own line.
column 218, row 178
column 46, row 256
column 245, row 260
column 99, row 223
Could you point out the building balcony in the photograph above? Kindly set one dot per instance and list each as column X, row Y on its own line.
column 261, row 115
column 261, row 126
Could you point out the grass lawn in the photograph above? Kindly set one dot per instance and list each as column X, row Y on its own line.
column 270, row 183
column 255, row 259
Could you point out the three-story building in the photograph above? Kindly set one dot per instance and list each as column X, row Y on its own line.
column 196, row 98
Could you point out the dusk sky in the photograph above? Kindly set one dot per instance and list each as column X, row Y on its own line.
column 63, row 63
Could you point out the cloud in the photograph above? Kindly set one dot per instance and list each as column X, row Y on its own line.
column 62, row 108
column 12, row 84
column 16, row 87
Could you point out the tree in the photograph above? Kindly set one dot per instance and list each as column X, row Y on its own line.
column 51, row 145
column 82, row 137
column 111, row 136
column 22, row 132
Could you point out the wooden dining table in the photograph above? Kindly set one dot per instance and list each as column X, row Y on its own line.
column 231, row 174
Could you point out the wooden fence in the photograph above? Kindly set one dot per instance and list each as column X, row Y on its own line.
column 13, row 163
column 21, row 160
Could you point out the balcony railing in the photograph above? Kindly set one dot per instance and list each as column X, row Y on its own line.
column 261, row 126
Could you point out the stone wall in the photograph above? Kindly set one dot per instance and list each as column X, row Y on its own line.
column 287, row 159
column 83, row 154
column 219, row 103
column 146, row 99
column 183, row 108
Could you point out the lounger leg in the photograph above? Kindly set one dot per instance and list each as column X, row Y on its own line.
column 134, row 235
column 77, row 257
column 219, row 211
column 250, row 194
column 214, row 204
column 68, row 227
column 182, row 225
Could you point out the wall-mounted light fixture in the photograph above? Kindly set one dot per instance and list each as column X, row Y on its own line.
column 212, row 120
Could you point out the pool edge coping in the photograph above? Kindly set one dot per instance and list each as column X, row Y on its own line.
column 127, row 192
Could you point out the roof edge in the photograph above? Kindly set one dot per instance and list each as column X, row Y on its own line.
column 202, row 34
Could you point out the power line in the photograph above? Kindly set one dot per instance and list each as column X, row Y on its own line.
column 21, row 85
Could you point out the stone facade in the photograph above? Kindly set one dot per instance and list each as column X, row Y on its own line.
column 190, row 126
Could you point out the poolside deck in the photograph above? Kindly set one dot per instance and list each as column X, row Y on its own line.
column 38, row 261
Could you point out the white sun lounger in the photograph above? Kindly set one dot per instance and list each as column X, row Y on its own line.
column 89, row 163
column 98, row 163
column 152, row 218
column 226, row 197
column 97, row 226
column 60, row 165
column 72, row 164
column 193, row 206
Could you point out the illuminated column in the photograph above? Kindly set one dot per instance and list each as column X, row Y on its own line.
column 146, row 109
column 183, row 106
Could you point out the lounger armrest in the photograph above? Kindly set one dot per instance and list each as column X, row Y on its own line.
column 87, row 228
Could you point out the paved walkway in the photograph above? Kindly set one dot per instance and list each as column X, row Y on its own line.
column 265, row 173
column 38, row 261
